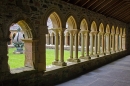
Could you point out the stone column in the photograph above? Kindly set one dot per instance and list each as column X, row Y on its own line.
column 117, row 42
column 120, row 39
column 66, row 38
column 47, row 39
column 30, row 52
column 61, row 61
column 95, row 45
column 71, row 46
column 91, row 43
column 102, row 49
column 79, row 41
column 51, row 39
column 56, row 46
column 124, row 41
column 113, row 43
column 76, row 46
column 82, row 43
column 108, row 43
column 86, row 38
column 99, row 40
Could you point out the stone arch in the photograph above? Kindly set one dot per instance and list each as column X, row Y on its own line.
column 86, row 19
column 107, row 28
column 71, row 23
column 93, row 26
column 121, row 31
column 25, row 24
column 84, row 25
column 113, row 30
column 55, row 15
column 117, row 30
column 101, row 27
column 124, row 31
column 56, row 22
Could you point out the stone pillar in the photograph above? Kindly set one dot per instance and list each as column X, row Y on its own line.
column 76, row 47
column 79, row 41
column 40, row 59
column 51, row 39
column 117, row 42
column 99, row 40
column 124, row 41
column 30, row 52
column 91, row 43
column 61, row 61
column 82, row 44
column 108, row 43
column 47, row 39
column 4, row 67
column 95, row 45
column 120, row 39
column 102, row 49
column 71, row 46
column 66, row 39
column 85, row 37
column 113, row 43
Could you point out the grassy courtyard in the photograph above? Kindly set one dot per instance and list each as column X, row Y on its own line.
column 17, row 60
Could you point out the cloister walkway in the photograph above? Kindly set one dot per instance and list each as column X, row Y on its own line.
column 116, row 73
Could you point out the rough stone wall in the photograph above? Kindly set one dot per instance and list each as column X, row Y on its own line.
column 35, row 14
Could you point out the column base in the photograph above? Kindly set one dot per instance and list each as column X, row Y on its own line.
column 102, row 54
column 55, row 63
column 108, row 53
column 117, row 51
column 121, row 49
column 62, row 64
column 113, row 51
column 73, row 60
column 95, row 55
column 86, row 57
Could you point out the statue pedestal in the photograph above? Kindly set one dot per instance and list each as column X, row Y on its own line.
column 18, row 51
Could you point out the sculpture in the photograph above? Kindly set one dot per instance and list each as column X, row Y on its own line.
column 17, row 42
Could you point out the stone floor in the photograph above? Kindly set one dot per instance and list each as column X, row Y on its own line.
column 116, row 73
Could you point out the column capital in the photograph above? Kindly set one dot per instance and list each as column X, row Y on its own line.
column 56, row 31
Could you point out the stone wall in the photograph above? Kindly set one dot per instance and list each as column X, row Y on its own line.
column 35, row 14
column 57, row 75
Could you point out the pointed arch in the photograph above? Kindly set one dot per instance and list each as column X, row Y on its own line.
column 71, row 23
column 117, row 30
column 55, row 20
column 101, row 27
column 107, row 28
column 84, row 25
column 25, row 28
column 93, row 26
column 121, row 31
column 124, row 31
column 113, row 30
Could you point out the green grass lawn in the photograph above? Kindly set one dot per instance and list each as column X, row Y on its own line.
column 17, row 60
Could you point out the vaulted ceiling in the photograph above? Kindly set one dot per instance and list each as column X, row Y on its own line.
column 118, row 9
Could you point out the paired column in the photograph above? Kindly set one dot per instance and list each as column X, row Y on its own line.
column 117, row 42
column 91, row 43
column 101, row 43
column 73, row 33
column 95, row 45
column 120, row 41
column 59, row 32
column 66, row 38
column 107, row 35
column 113, row 43
column 85, row 36
column 124, row 41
